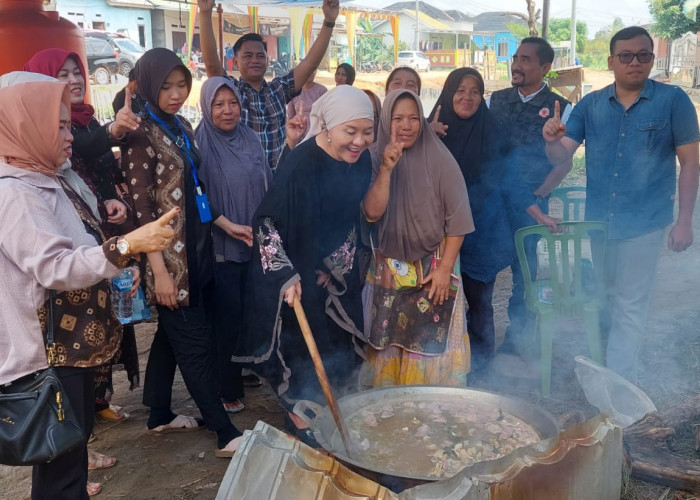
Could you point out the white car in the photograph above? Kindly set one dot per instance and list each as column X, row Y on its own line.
column 414, row 59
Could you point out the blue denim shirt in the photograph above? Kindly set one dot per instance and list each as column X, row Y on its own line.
column 631, row 155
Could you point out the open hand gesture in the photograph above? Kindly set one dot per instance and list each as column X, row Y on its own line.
column 554, row 129
column 438, row 127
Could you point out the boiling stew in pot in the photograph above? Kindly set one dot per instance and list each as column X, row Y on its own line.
column 435, row 438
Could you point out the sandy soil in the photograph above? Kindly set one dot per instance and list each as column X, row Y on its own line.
column 184, row 467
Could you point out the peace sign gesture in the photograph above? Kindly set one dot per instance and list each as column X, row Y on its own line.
column 392, row 153
column 295, row 128
column 554, row 129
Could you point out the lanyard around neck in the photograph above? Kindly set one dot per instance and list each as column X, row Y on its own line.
column 184, row 145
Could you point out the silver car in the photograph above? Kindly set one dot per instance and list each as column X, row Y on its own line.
column 414, row 59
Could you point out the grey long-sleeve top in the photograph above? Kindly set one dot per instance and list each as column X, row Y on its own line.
column 43, row 245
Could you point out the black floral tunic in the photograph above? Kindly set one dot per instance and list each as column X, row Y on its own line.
column 309, row 221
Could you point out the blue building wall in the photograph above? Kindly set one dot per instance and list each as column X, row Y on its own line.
column 493, row 41
column 86, row 13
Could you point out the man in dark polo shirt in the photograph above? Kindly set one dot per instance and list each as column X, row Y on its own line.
column 521, row 111
column 263, row 106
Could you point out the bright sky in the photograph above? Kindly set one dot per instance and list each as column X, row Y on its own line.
column 596, row 13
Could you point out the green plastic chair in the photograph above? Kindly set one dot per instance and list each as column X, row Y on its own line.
column 572, row 200
column 566, row 287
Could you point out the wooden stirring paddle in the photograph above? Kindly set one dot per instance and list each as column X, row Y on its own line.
column 322, row 377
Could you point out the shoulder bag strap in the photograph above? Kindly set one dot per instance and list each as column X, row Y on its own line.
column 50, row 346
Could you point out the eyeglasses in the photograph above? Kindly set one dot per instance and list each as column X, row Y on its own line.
column 628, row 57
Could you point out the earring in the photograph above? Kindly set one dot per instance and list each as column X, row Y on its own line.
column 329, row 139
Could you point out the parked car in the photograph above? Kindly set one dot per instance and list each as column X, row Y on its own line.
column 102, row 60
column 128, row 46
column 127, row 56
column 415, row 59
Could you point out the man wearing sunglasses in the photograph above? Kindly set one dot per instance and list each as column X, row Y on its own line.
column 634, row 130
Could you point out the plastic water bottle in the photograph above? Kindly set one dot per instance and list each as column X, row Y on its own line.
column 122, row 303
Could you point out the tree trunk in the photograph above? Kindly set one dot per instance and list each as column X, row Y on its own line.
column 647, row 449
column 532, row 16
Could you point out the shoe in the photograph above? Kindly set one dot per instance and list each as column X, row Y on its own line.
column 234, row 406
column 100, row 461
column 93, row 488
column 230, row 449
column 113, row 414
column 251, row 380
column 180, row 423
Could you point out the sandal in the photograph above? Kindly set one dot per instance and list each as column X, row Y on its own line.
column 251, row 380
column 93, row 488
column 180, row 423
column 100, row 461
column 230, row 449
column 113, row 414
column 234, row 407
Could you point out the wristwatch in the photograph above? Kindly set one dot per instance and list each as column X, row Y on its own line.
column 329, row 24
column 123, row 246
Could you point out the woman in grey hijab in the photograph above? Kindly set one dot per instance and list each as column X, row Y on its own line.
column 235, row 173
column 414, row 300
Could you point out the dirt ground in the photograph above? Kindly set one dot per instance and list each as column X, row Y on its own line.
column 184, row 467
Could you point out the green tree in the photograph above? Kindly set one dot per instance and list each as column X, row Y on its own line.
column 518, row 30
column 669, row 20
column 597, row 50
column 560, row 31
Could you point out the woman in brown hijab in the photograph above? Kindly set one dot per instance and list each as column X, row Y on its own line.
column 414, row 305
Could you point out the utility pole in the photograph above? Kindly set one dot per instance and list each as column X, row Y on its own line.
column 545, row 18
column 417, row 34
column 573, row 32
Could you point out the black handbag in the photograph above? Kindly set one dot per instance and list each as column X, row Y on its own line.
column 37, row 422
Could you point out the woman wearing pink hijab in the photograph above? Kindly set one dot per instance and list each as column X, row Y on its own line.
column 96, row 165
column 44, row 246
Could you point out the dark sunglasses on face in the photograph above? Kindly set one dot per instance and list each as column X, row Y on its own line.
column 628, row 57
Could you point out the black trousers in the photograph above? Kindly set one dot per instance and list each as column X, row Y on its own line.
column 482, row 334
column 66, row 477
column 227, row 326
column 183, row 340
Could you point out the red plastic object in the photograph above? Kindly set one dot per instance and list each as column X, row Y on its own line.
column 25, row 29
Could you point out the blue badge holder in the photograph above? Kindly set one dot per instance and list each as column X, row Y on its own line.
column 203, row 206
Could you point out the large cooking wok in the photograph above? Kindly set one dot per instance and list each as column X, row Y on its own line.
column 326, row 432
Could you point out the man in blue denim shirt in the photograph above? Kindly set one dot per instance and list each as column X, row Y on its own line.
column 634, row 130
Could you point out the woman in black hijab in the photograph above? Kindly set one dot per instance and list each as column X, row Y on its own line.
column 161, row 164
column 493, row 183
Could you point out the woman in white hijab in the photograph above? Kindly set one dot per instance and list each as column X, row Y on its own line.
column 306, row 237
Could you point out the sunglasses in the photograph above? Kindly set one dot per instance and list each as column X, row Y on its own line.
column 628, row 57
